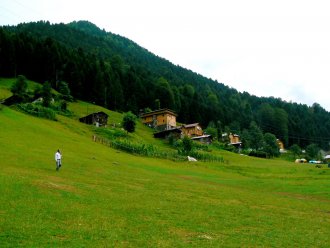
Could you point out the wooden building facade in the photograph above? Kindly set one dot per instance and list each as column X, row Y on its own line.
column 192, row 130
column 162, row 119
column 205, row 139
column 98, row 119
column 234, row 139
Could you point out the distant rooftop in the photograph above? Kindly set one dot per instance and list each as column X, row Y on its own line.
column 159, row 111
column 190, row 125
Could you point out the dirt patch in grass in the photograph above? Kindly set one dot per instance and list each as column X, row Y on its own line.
column 205, row 236
column 198, row 180
column 184, row 234
column 233, row 202
column 49, row 185
column 303, row 197
column 191, row 237
column 60, row 237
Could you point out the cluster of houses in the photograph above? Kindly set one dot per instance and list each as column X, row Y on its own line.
column 164, row 123
column 162, row 120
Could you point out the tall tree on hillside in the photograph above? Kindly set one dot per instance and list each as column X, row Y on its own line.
column 157, row 104
column 235, row 127
column 7, row 55
column 246, row 138
column 46, row 94
column 270, row 145
column 64, row 89
column 256, row 136
column 196, row 109
column 129, row 122
column 117, row 98
column 281, row 125
column 134, row 92
column 266, row 118
column 246, row 114
column 164, row 93
column 187, row 145
column 313, row 151
column 274, row 120
column 19, row 88
column 212, row 130
column 296, row 150
column 177, row 98
column 187, row 93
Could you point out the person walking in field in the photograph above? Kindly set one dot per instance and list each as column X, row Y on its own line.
column 58, row 159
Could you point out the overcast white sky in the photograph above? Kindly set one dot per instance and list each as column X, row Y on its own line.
column 277, row 48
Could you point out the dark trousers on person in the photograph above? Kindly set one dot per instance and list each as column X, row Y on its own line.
column 58, row 164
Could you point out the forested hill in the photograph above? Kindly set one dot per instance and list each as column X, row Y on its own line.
column 117, row 73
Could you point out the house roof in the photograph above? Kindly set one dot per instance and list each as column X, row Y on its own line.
column 202, row 136
column 159, row 112
column 93, row 114
column 235, row 143
column 234, row 135
column 164, row 133
column 190, row 125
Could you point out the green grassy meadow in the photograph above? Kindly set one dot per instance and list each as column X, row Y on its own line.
column 102, row 197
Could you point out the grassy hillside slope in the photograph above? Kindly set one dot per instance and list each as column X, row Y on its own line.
column 105, row 198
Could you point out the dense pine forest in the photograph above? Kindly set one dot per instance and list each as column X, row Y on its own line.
column 117, row 73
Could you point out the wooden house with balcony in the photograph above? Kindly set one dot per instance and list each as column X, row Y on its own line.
column 235, row 140
column 205, row 139
column 192, row 130
column 162, row 119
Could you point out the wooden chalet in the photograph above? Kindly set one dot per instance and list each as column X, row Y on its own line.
column 98, row 119
column 234, row 139
column 162, row 119
column 176, row 132
column 205, row 139
column 192, row 130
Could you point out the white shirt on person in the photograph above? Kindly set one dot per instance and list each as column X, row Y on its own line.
column 58, row 156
